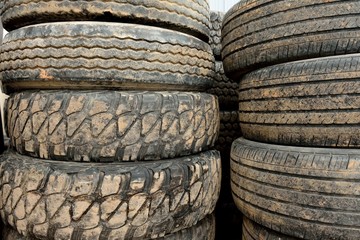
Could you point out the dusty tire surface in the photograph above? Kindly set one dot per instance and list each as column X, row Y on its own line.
column 102, row 55
column 254, row 231
column 61, row 200
column 216, row 19
column 304, row 103
column 183, row 15
column 229, row 131
column 308, row 193
column 260, row 33
column 107, row 126
column 225, row 89
column 204, row 230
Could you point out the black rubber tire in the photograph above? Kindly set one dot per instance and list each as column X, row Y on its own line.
column 187, row 16
column 308, row 193
column 225, row 89
column 304, row 103
column 216, row 19
column 96, row 55
column 107, row 126
column 258, row 33
column 254, row 231
column 56, row 200
column 203, row 230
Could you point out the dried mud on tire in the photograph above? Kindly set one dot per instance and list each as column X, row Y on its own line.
column 58, row 200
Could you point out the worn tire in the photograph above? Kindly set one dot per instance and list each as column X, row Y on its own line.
column 260, row 33
column 216, row 19
column 106, row 126
column 56, row 200
column 96, row 55
column 186, row 16
column 204, row 230
column 254, row 231
column 308, row 193
column 225, row 89
column 304, row 103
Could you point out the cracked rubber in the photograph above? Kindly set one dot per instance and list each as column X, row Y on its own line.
column 308, row 193
column 106, row 126
column 306, row 103
column 216, row 19
column 258, row 33
column 96, row 55
column 225, row 89
column 204, row 230
column 254, row 231
column 187, row 16
column 61, row 200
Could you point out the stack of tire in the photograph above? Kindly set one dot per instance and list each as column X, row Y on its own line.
column 295, row 174
column 227, row 215
column 111, row 135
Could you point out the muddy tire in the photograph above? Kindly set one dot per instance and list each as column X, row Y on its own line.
column 260, row 33
column 304, row 103
column 96, row 55
column 254, row 231
column 216, row 19
column 107, row 126
column 61, row 200
column 308, row 193
column 186, row 16
column 225, row 89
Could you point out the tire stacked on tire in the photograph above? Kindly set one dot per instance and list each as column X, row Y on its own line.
column 226, row 90
column 110, row 133
column 296, row 171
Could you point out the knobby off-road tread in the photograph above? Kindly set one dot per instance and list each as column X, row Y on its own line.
column 58, row 200
column 225, row 89
column 187, row 16
column 105, row 126
column 229, row 130
column 254, row 231
column 308, row 193
column 259, row 33
column 216, row 19
column 204, row 230
column 305, row 103
column 96, row 55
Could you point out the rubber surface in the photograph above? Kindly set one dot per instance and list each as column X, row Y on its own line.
column 308, row 193
column 60, row 200
column 106, row 126
column 305, row 103
column 254, row 231
column 225, row 89
column 183, row 15
column 258, row 33
column 216, row 19
column 96, row 55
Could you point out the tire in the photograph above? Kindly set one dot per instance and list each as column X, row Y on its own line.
column 225, row 89
column 216, row 19
column 254, row 231
column 187, row 16
column 204, row 230
column 96, row 55
column 308, row 193
column 305, row 103
column 56, row 200
column 108, row 126
column 229, row 131
column 266, row 32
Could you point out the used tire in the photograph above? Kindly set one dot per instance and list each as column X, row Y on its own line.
column 96, row 55
column 56, row 200
column 183, row 15
column 254, row 231
column 308, row 193
column 106, row 126
column 304, row 103
column 216, row 19
column 260, row 33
